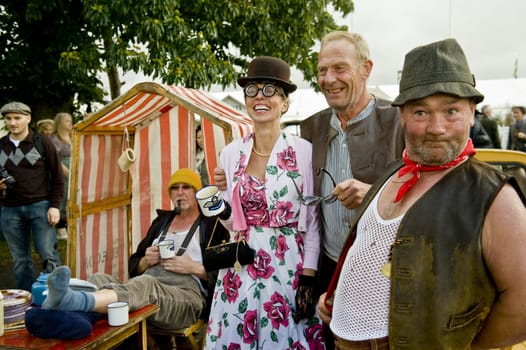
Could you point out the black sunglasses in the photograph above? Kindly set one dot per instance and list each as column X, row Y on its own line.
column 313, row 200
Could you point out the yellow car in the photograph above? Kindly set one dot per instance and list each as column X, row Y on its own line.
column 512, row 162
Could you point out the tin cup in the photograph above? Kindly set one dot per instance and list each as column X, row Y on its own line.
column 210, row 200
column 166, row 249
column 117, row 313
column 126, row 159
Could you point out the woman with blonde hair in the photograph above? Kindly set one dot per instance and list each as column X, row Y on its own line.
column 62, row 140
column 46, row 127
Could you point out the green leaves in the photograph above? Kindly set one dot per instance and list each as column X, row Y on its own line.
column 66, row 44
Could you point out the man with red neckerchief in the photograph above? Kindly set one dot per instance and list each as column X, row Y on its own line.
column 435, row 258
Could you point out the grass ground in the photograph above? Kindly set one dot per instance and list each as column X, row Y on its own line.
column 6, row 263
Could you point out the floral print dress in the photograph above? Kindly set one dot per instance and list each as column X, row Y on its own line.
column 253, row 308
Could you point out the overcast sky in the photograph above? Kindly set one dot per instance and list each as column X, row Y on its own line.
column 492, row 33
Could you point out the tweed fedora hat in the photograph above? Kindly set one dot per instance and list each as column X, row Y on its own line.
column 266, row 68
column 439, row 67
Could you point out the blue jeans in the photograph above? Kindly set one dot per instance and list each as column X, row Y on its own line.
column 18, row 225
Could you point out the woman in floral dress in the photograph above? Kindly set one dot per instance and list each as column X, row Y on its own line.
column 270, row 303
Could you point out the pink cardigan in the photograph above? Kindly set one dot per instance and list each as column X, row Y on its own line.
column 308, row 222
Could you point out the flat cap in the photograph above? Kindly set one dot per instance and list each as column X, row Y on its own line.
column 15, row 107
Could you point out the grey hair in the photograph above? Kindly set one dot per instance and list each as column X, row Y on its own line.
column 362, row 49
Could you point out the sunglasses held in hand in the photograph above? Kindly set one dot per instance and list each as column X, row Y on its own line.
column 314, row 200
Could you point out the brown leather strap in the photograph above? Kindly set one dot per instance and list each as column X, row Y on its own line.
column 369, row 344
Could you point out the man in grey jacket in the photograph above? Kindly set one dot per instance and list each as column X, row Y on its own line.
column 355, row 140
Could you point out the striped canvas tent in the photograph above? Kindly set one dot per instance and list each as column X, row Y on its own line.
column 109, row 210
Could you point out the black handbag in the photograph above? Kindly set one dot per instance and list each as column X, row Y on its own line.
column 233, row 254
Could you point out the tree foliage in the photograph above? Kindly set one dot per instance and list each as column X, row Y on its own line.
column 53, row 51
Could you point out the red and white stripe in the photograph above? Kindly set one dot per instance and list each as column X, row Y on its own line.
column 161, row 122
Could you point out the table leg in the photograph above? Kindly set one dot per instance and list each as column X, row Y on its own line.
column 144, row 335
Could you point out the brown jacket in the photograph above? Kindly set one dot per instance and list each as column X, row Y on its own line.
column 373, row 143
column 436, row 247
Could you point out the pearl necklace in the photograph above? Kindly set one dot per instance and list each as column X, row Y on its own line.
column 259, row 153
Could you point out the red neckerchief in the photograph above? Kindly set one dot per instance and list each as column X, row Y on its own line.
column 416, row 168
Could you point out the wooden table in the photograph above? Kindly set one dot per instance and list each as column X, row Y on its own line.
column 103, row 335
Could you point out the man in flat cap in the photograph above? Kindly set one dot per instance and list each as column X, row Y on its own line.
column 435, row 259
column 31, row 189
column 15, row 107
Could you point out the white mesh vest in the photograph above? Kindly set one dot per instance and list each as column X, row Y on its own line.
column 361, row 301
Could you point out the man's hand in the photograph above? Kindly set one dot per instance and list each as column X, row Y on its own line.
column 152, row 255
column 184, row 265
column 324, row 313
column 351, row 192
column 53, row 216
column 3, row 185
column 220, row 179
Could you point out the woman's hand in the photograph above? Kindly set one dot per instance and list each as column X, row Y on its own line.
column 305, row 298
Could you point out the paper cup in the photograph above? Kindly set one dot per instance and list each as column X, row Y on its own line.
column 117, row 313
column 126, row 159
column 210, row 200
column 167, row 249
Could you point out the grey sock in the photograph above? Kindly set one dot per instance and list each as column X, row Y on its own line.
column 61, row 297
